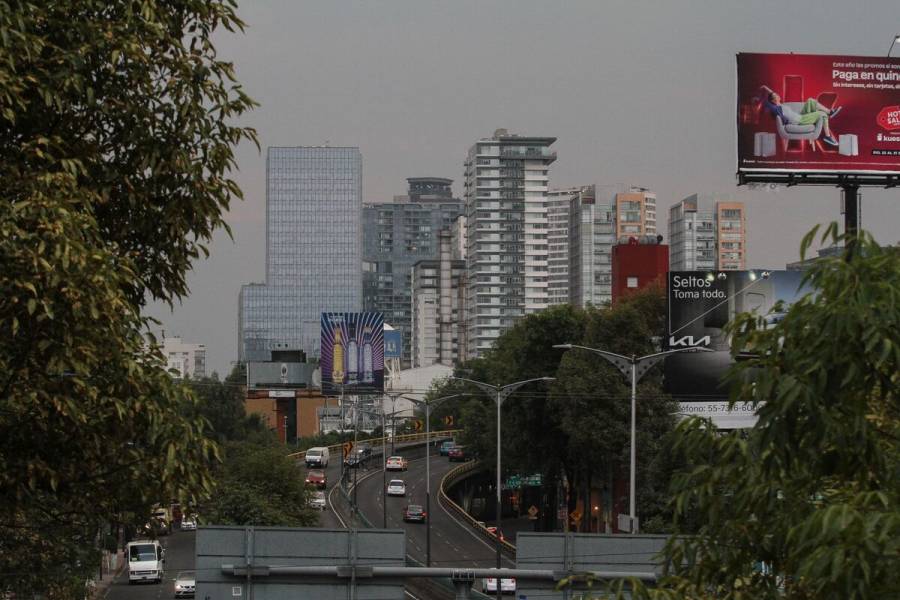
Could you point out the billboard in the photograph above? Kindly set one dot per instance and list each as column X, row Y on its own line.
column 352, row 352
column 393, row 344
column 811, row 113
column 700, row 304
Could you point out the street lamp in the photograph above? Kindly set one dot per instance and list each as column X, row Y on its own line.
column 428, row 404
column 502, row 392
column 896, row 39
column 634, row 368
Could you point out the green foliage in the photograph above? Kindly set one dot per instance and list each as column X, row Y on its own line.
column 578, row 426
column 222, row 405
column 807, row 505
column 115, row 120
column 258, row 485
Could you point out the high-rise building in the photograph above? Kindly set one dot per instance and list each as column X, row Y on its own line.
column 506, row 221
column 635, row 213
column 313, row 250
column 559, row 209
column 592, row 234
column 436, row 308
column 397, row 235
column 707, row 232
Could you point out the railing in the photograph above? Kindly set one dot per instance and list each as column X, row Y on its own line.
column 398, row 439
column 451, row 478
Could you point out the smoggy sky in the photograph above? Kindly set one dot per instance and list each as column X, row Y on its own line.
column 636, row 92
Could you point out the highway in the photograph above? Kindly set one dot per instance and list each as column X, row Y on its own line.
column 453, row 542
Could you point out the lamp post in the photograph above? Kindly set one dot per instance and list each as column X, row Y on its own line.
column 634, row 368
column 500, row 393
column 428, row 404
column 896, row 39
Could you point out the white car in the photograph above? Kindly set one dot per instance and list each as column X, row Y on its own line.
column 396, row 463
column 396, row 487
column 489, row 585
column 188, row 524
column 318, row 501
column 185, row 584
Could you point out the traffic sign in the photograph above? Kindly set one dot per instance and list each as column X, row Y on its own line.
column 418, row 425
column 348, row 448
column 448, row 421
column 575, row 516
column 533, row 512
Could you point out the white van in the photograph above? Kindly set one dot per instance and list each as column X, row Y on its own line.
column 317, row 457
column 145, row 561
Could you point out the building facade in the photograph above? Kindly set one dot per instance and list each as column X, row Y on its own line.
column 559, row 209
column 396, row 236
column 592, row 234
column 313, row 250
column 436, row 308
column 506, row 180
column 707, row 232
column 635, row 213
column 188, row 360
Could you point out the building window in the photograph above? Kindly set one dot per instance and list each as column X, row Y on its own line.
column 631, row 282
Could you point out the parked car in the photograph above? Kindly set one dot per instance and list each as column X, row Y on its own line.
column 445, row 447
column 457, row 454
column 317, row 501
column 414, row 513
column 317, row 478
column 189, row 523
column 396, row 463
column 507, row 585
column 396, row 487
column 184, row 584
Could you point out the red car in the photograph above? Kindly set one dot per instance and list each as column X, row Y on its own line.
column 457, row 453
column 317, row 478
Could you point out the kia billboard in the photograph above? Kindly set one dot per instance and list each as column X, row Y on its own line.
column 352, row 352
column 811, row 113
column 700, row 304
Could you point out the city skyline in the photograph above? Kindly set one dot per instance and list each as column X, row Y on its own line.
column 632, row 96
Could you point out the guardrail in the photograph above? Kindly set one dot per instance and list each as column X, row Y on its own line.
column 452, row 477
column 398, row 439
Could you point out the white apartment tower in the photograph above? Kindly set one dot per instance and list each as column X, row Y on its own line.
column 707, row 232
column 506, row 227
column 559, row 208
column 186, row 359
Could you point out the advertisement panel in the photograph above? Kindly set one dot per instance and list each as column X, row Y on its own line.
column 700, row 305
column 393, row 344
column 810, row 113
column 352, row 352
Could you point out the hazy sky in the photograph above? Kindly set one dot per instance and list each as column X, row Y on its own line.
column 636, row 92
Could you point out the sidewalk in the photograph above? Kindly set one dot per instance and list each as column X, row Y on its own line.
column 113, row 564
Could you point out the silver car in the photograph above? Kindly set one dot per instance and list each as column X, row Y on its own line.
column 184, row 584
column 317, row 500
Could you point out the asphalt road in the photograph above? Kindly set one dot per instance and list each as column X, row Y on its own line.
column 453, row 542
column 179, row 557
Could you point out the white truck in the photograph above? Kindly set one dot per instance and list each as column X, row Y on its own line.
column 146, row 560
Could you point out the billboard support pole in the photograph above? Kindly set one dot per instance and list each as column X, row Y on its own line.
column 851, row 214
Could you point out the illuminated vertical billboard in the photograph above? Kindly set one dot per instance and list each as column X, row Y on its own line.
column 700, row 304
column 810, row 113
column 352, row 353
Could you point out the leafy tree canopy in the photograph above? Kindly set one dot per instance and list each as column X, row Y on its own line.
column 116, row 140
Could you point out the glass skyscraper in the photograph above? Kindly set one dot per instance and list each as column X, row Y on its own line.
column 313, row 250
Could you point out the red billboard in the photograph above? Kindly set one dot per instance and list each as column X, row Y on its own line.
column 814, row 113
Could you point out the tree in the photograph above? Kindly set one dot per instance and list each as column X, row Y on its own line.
column 257, row 484
column 115, row 144
column 577, row 426
column 807, row 504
